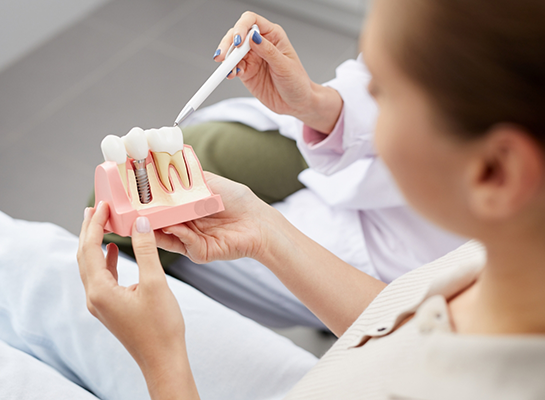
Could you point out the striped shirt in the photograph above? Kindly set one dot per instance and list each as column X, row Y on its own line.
column 424, row 358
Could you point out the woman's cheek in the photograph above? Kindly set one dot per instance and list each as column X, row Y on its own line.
column 395, row 143
column 387, row 141
column 396, row 148
column 381, row 136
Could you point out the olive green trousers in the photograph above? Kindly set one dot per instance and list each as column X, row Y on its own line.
column 267, row 162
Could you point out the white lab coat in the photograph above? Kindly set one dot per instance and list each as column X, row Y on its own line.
column 351, row 204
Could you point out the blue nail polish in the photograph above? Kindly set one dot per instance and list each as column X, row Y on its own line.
column 237, row 40
column 230, row 72
column 217, row 53
column 238, row 70
column 256, row 37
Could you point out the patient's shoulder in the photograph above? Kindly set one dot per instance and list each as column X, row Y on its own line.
column 409, row 290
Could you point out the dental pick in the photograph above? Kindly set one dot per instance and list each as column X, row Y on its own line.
column 233, row 57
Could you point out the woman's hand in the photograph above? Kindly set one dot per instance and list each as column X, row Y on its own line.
column 239, row 231
column 273, row 73
column 334, row 291
column 145, row 317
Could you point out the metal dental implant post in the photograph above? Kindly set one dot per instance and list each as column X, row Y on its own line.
column 142, row 181
column 137, row 147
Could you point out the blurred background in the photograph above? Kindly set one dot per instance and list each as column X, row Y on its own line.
column 72, row 72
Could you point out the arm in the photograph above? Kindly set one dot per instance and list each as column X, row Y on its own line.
column 325, row 109
column 145, row 317
column 170, row 379
column 356, row 125
column 333, row 290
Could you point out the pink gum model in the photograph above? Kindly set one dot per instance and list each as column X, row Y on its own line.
column 166, row 208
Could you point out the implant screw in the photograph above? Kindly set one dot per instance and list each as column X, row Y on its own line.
column 142, row 182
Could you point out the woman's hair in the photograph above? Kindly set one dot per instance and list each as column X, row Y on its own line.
column 481, row 61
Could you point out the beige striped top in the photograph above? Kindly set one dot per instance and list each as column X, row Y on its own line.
column 424, row 358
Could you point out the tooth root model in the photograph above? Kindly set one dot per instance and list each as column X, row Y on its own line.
column 166, row 145
column 136, row 145
column 167, row 196
column 113, row 149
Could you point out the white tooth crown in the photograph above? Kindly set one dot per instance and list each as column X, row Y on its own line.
column 113, row 149
column 168, row 139
column 136, row 144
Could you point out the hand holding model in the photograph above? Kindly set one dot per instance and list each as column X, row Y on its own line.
column 239, row 231
column 273, row 73
column 145, row 317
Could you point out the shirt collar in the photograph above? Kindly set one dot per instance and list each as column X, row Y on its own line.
column 445, row 285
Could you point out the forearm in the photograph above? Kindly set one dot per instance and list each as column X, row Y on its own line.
column 324, row 110
column 333, row 290
column 170, row 378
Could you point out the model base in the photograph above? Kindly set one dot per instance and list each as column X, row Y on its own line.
column 116, row 186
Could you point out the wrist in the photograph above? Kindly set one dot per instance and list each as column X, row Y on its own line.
column 169, row 377
column 156, row 361
column 276, row 237
column 325, row 108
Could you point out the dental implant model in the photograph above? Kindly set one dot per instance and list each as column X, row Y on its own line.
column 161, row 180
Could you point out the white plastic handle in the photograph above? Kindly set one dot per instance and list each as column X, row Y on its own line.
column 232, row 58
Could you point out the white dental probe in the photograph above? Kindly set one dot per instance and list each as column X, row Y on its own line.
column 232, row 58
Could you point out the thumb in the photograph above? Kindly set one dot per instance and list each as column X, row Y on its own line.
column 145, row 251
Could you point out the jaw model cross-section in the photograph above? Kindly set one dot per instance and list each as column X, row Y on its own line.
column 165, row 184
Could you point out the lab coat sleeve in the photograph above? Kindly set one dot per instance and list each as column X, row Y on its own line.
column 320, row 143
column 352, row 137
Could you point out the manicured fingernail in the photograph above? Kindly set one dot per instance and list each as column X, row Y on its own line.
column 230, row 72
column 100, row 205
column 217, row 53
column 142, row 225
column 237, row 40
column 86, row 212
column 256, row 37
column 238, row 70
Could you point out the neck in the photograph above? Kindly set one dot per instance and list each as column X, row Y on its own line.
column 509, row 295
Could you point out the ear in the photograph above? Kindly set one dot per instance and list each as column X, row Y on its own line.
column 506, row 173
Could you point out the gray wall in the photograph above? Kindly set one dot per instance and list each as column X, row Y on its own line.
column 343, row 16
column 26, row 24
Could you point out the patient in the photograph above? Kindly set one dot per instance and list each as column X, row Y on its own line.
column 461, row 88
